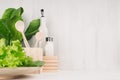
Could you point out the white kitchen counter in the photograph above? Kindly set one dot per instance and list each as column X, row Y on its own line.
column 75, row 75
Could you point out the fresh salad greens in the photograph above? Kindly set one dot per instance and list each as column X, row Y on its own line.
column 11, row 50
column 7, row 25
column 13, row 55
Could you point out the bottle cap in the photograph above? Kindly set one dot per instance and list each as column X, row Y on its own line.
column 42, row 12
column 49, row 39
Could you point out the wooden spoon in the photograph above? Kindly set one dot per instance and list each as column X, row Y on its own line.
column 20, row 27
column 38, row 37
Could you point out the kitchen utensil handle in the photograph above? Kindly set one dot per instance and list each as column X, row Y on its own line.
column 36, row 44
column 25, row 40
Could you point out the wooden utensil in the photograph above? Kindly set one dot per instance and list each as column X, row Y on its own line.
column 20, row 27
column 38, row 37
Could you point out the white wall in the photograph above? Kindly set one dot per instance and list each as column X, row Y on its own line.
column 86, row 32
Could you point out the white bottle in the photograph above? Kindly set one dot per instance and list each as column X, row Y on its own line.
column 43, row 28
column 49, row 47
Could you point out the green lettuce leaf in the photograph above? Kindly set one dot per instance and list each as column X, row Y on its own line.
column 14, row 56
column 2, row 42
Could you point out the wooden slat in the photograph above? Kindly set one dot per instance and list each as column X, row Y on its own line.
column 51, row 61
column 51, row 65
column 50, row 58
column 50, row 68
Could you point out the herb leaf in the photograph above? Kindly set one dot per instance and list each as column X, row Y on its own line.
column 33, row 28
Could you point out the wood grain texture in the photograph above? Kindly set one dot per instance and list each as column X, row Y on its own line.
column 50, row 57
column 51, row 64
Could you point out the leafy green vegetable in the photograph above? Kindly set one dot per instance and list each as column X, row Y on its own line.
column 12, row 13
column 17, row 13
column 2, row 42
column 11, row 51
column 14, row 56
column 4, row 31
column 8, row 12
column 33, row 28
column 34, row 63
column 7, row 25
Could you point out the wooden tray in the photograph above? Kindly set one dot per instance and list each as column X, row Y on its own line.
column 17, row 71
column 6, row 73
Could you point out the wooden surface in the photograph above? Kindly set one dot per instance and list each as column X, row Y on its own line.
column 51, row 63
column 72, row 75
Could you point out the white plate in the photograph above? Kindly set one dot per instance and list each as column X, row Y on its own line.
column 17, row 71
